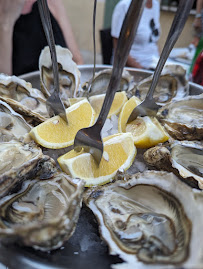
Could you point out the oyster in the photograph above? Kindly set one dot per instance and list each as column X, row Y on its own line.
column 12, row 124
column 24, row 99
column 151, row 220
column 101, row 80
column 69, row 74
column 183, row 119
column 40, row 213
column 17, row 160
column 172, row 85
column 185, row 159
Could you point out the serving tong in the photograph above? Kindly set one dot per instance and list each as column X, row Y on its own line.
column 148, row 107
column 53, row 102
column 90, row 138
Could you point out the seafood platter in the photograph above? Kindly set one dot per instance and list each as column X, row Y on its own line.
column 148, row 215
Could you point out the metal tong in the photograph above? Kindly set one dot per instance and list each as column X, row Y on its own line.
column 148, row 107
column 90, row 138
column 53, row 102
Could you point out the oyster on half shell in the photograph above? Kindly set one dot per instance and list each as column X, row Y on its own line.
column 18, row 161
column 151, row 220
column 101, row 80
column 12, row 124
column 172, row 85
column 183, row 158
column 183, row 119
column 24, row 99
column 40, row 207
column 69, row 74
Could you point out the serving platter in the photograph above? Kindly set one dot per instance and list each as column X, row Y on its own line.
column 85, row 248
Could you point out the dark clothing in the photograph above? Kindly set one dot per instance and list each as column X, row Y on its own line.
column 29, row 40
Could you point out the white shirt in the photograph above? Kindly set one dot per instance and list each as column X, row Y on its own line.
column 144, row 46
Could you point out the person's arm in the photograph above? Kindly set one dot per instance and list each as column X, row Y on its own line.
column 9, row 12
column 58, row 10
column 131, row 62
column 198, row 17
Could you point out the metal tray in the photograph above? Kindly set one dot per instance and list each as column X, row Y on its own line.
column 84, row 249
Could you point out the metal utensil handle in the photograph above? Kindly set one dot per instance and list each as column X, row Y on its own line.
column 46, row 21
column 176, row 29
column 125, row 41
column 94, row 42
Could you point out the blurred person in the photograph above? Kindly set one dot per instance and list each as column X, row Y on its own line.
column 144, row 47
column 23, row 38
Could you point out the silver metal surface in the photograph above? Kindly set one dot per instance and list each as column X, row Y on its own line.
column 148, row 107
column 90, row 138
column 53, row 102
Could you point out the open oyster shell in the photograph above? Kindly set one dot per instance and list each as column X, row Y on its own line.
column 24, row 99
column 69, row 74
column 151, row 220
column 42, row 208
column 101, row 81
column 18, row 162
column 12, row 124
column 183, row 119
column 172, row 85
column 185, row 159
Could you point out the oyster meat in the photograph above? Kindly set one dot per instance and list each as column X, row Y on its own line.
column 172, row 85
column 183, row 119
column 12, row 124
column 69, row 74
column 185, row 159
column 151, row 220
column 24, row 99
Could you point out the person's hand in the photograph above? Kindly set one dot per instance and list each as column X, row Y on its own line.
column 10, row 10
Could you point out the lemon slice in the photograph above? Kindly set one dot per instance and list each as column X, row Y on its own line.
column 96, row 102
column 119, row 153
column 126, row 111
column 55, row 133
column 147, row 132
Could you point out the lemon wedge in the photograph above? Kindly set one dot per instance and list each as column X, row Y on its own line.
column 126, row 111
column 55, row 133
column 147, row 132
column 119, row 153
column 119, row 100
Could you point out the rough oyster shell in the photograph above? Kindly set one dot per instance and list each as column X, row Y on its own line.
column 12, row 124
column 172, row 85
column 183, row 119
column 69, row 74
column 101, row 80
column 151, row 220
column 185, row 159
column 24, row 99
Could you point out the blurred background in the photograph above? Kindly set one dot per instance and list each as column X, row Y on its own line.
column 80, row 15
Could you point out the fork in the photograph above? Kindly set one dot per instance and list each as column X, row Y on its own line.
column 148, row 107
column 90, row 138
column 53, row 102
